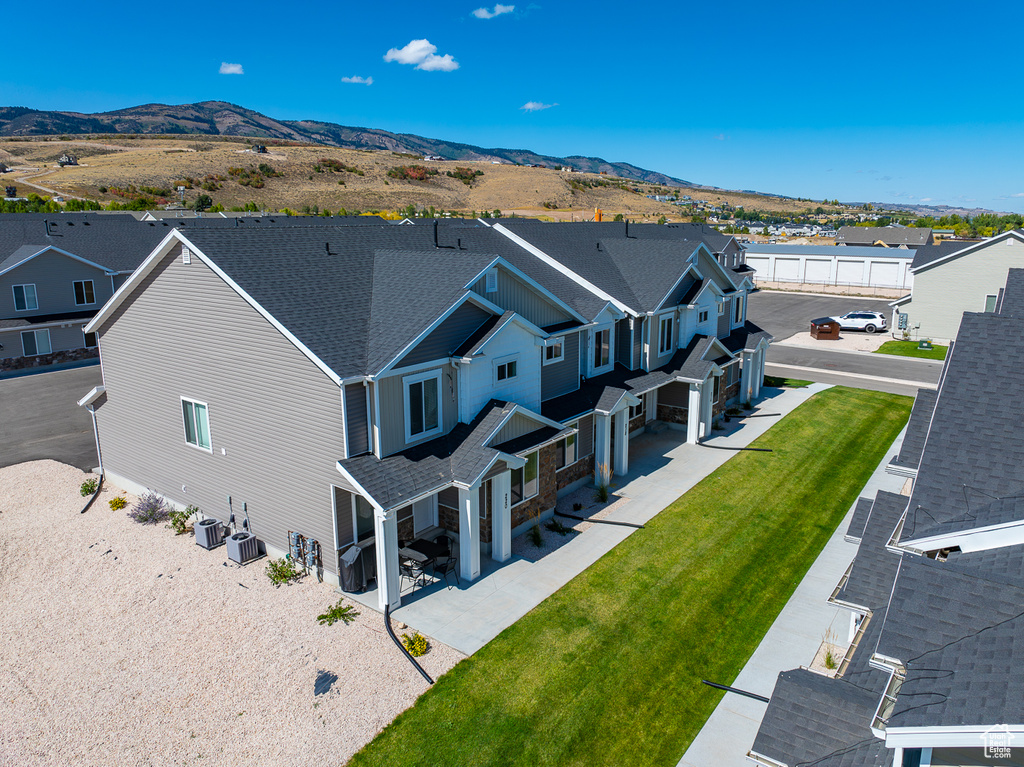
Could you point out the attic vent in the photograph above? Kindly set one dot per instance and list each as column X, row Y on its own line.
column 491, row 284
column 186, row 256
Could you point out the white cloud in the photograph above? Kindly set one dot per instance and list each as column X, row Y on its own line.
column 536, row 106
column 720, row 137
column 483, row 13
column 1018, row 194
column 424, row 55
column 926, row 199
column 358, row 80
column 231, row 69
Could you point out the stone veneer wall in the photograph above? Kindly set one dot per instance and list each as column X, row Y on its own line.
column 637, row 423
column 448, row 518
column 671, row 414
column 70, row 355
column 584, row 467
column 547, row 490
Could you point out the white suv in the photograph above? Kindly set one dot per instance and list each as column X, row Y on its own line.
column 862, row 320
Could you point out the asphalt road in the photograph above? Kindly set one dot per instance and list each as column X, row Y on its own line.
column 783, row 314
column 40, row 418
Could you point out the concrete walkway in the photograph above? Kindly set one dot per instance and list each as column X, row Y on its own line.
column 662, row 467
column 791, row 642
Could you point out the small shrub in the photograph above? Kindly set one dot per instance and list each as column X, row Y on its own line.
column 416, row 644
column 536, row 537
column 577, row 507
column 89, row 486
column 601, row 494
column 116, row 504
column 180, row 520
column 830, row 661
column 150, row 510
column 557, row 527
column 281, row 571
column 339, row 612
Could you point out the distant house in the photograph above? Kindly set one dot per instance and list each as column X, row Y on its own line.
column 259, row 149
column 893, row 236
column 67, row 159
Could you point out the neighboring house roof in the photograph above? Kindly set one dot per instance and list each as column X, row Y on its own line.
column 812, row 719
column 892, row 236
column 861, row 511
column 1012, row 299
column 844, row 251
column 118, row 245
column 874, row 567
column 975, row 516
column 925, row 254
column 917, row 429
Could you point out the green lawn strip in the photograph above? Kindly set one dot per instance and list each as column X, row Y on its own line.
column 607, row 670
column 779, row 382
column 909, row 349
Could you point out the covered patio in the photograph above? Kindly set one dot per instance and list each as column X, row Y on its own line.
column 468, row 615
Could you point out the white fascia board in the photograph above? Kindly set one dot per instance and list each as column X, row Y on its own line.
column 359, row 488
column 513, row 462
column 63, row 252
column 626, row 400
column 499, row 261
column 423, row 334
column 977, row 539
column 516, row 408
column 92, row 396
column 517, row 319
column 154, row 258
column 555, row 264
column 661, row 303
column 901, row 301
column 963, row 736
column 40, row 325
column 717, row 342
column 968, row 249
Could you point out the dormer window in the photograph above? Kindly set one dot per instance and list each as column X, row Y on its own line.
column 491, row 281
column 665, row 335
column 423, row 404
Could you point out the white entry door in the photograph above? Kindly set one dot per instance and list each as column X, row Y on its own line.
column 424, row 514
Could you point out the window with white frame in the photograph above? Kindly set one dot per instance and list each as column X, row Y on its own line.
column 505, row 369
column 35, row 342
column 422, row 404
column 721, row 308
column 665, row 334
column 637, row 410
column 196, row 417
column 25, row 299
column 84, row 293
column 554, row 350
column 739, row 310
column 990, row 303
column 565, row 452
column 702, row 315
column 602, row 347
column 525, row 481
column 91, row 340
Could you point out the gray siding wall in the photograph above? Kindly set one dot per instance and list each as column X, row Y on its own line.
column 562, row 377
column 61, row 339
column 447, row 336
column 343, row 505
column 623, row 349
column 638, row 342
column 450, row 497
column 355, row 419
column 585, row 439
column 392, row 409
column 675, row 394
column 680, row 291
column 725, row 319
column 54, row 276
column 276, row 425
column 515, row 295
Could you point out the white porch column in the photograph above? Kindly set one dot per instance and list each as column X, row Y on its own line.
column 707, row 392
column 621, row 426
column 469, row 533
column 693, row 414
column 501, row 517
column 602, row 449
column 746, row 373
column 758, row 372
column 386, row 546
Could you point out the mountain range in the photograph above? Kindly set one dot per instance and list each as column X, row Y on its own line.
column 219, row 118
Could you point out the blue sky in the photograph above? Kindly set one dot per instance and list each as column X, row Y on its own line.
column 860, row 101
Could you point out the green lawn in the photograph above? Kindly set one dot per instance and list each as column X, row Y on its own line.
column 608, row 669
column 909, row 349
column 780, row 381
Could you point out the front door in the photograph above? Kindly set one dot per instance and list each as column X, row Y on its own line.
column 424, row 514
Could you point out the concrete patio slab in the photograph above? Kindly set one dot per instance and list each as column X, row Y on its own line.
column 791, row 642
column 663, row 467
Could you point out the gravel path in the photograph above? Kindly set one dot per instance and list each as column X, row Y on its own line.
column 124, row 644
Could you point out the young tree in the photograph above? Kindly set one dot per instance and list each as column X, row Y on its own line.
column 202, row 202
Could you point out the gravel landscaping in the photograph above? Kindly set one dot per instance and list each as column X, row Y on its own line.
column 125, row 644
column 523, row 546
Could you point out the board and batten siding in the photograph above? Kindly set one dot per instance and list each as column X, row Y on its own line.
column 517, row 426
column 276, row 423
column 517, row 296
column 639, row 328
column 675, row 394
column 392, row 409
column 54, row 276
column 356, row 420
column 448, row 336
column 622, row 342
column 725, row 318
column 585, row 438
column 558, row 378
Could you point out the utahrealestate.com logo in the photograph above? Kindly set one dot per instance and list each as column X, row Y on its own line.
column 997, row 740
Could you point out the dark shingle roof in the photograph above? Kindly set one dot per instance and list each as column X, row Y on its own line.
column 747, row 336
column 115, row 243
column 1012, row 299
column 925, row 254
column 874, row 567
column 917, row 429
column 855, row 530
column 869, row 235
column 811, row 717
column 975, row 515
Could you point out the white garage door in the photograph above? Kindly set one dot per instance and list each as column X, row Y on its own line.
column 885, row 274
column 760, row 265
column 817, row 271
column 787, row 270
column 850, row 273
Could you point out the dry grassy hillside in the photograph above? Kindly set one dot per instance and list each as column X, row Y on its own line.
column 359, row 181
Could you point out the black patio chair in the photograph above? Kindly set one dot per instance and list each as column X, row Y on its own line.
column 446, row 567
column 444, row 540
column 411, row 569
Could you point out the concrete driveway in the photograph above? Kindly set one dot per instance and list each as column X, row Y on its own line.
column 783, row 314
column 40, row 418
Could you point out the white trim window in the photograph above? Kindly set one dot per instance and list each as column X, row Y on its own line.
column 721, row 308
column 526, row 480
column 665, row 334
column 422, row 404
column 602, row 348
column 739, row 310
column 505, row 369
column 36, row 342
column 565, row 452
column 85, row 294
column 90, row 340
column 25, row 298
column 990, row 303
column 702, row 316
column 195, row 417
column 554, row 350
column 637, row 410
